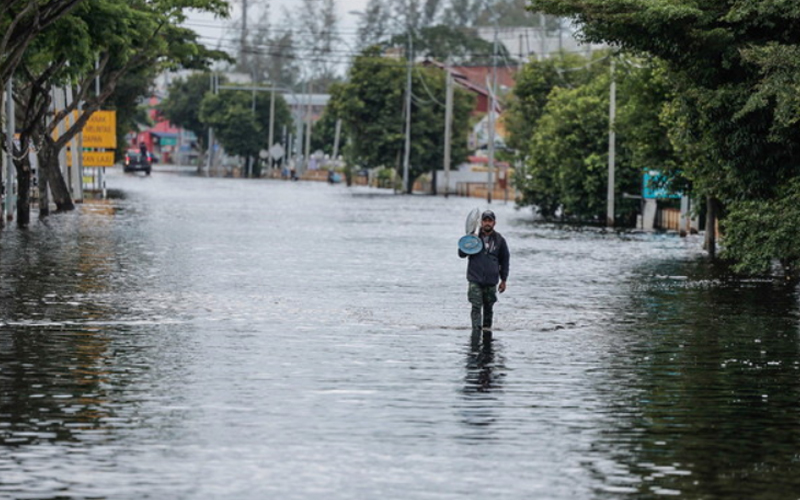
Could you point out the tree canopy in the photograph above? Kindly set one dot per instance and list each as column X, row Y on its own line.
column 105, row 39
column 240, row 121
column 371, row 107
column 735, row 67
column 560, row 118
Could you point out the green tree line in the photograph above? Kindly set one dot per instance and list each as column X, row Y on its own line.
column 709, row 96
column 74, row 43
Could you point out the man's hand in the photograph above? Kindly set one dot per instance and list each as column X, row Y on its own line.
column 502, row 287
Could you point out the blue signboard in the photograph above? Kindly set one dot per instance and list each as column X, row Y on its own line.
column 653, row 186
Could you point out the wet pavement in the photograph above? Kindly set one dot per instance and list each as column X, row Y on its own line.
column 198, row 338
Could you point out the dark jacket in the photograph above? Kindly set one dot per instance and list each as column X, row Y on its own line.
column 490, row 264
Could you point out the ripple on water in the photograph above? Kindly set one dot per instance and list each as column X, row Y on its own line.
column 227, row 338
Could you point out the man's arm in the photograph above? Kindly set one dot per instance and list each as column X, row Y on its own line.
column 504, row 258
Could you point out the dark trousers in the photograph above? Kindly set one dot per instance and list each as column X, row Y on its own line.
column 482, row 298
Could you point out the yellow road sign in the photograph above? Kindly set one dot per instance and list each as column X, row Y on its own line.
column 101, row 131
column 94, row 158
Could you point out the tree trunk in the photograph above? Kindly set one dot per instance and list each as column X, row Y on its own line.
column 23, row 166
column 710, row 243
column 2, row 165
column 48, row 160
column 44, row 195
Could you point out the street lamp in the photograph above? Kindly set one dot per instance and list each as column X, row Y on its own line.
column 410, row 61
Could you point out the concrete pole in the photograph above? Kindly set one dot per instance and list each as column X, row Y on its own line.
column 493, row 90
column 543, row 36
column 76, row 170
column 243, row 36
column 612, row 111
column 271, row 136
column 307, row 138
column 337, row 135
column 102, row 173
column 407, row 147
column 685, row 223
column 210, row 158
column 448, row 128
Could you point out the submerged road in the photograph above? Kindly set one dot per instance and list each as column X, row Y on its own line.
column 198, row 338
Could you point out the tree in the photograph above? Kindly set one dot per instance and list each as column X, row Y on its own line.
column 566, row 168
column 21, row 21
column 118, row 37
column 371, row 107
column 318, row 28
column 462, row 45
column 758, row 232
column 324, row 134
column 462, row 13
column 533, row 86
column 242, row 125
column 373, row 25
column 736, row 144
column 182, row 104
column 278, row 56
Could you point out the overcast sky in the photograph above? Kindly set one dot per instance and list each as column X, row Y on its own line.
column 212, row 29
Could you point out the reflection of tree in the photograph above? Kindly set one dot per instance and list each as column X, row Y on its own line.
column 703, row 388
column 52, row 359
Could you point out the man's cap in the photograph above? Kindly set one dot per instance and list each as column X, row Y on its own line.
column 488, row 214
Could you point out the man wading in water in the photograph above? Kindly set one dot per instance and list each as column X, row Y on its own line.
column 484, row 270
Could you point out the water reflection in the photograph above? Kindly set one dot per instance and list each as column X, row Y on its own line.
column 483, row 383
column 480, row 364
column 220, row 338
column 708, row 384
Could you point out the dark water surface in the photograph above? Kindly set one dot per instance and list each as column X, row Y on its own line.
column 234, row 339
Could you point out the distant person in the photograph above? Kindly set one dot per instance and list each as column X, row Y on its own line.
column 484, row 270
column 143, row 152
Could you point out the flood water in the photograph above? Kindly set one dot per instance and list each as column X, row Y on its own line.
column 200, row 338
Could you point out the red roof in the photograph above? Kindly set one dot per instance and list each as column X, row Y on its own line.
column 481, row 75
column 476, row 78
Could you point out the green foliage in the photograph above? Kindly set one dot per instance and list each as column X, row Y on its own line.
column 132, row 41
column 533, row 85
column 371, row 106
column 566, row 157
column 182, row 105
column 239, row 129
column 759, row 233
column 323, row 135
column 647, row 92
column 567, row 165
column 735, row 67
column 462, row 45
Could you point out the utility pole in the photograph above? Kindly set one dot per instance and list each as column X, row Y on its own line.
column 75, row 152
column 271, row 136
column 243, row 39
column 612, row 111
column 407, row 152
column 337, row 135
column 210, row 159
column 448, row 127
column 308, row 129
column 543, row 35
column 102, row 173
column 493, row 90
